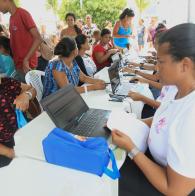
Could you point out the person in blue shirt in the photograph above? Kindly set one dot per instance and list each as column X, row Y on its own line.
column 64, row 70
column 7, row 66
column 122, row 31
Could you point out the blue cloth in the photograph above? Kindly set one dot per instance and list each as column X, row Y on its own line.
column 92, row 156
column 50, row 84
column 7, row 65
column 21, row 121
column 123, row 42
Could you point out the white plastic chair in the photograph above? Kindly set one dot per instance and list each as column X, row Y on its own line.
column 34, row 78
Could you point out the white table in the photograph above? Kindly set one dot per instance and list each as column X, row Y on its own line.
column 100, row 99
column 28, row 177
column 29, row 174
column 29, row 146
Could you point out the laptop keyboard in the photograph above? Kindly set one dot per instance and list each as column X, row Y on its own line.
column 89, row 121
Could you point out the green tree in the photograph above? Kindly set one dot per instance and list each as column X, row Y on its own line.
column 53, row 5
column 17, row 2
column 142, row 5
column 101, row 11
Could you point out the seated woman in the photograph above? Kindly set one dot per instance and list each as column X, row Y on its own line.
column 83, row 60
column 171, row 169
column 12, row 93
column 65, row 69
column 72, row 30
column 103, row 50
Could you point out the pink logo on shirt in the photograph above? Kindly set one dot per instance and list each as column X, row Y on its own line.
column 160, row 125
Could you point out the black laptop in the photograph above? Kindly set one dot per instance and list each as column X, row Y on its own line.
column 118, row 88
column 69, row 111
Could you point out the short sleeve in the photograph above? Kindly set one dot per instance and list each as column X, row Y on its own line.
column 181, row 150
column 27, row 19
column 58, row 66
column 98, row 48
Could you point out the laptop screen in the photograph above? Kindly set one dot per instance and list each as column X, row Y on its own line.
column 114, row 76
column 65, row 106
column 116, row 57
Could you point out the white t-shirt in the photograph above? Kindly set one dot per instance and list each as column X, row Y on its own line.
column 172, row 135
column 90, row 66
column 167, row 93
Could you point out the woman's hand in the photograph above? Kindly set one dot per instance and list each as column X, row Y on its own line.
column 135, row 96
column 122, row 140
column 7, row 152
column 142, row 80
column 128, row 70
column 112, row 51
column 99, row 85
column 22, row 102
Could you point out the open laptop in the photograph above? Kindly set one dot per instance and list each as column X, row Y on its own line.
column 68, row 111
column 118, row 88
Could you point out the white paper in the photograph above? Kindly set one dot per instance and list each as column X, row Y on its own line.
column 128, row 124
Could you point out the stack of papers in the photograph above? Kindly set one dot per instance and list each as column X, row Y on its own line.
column 137, row 130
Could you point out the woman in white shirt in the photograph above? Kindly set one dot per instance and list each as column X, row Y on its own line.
column 84, row 61
column 171, row 139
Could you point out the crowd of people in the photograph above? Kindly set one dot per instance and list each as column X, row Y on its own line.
column 80, row 50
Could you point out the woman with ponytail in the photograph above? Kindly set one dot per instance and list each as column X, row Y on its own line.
column 64, row 70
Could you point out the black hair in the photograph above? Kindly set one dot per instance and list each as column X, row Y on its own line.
column 80, row 39
column 105, row 32
column 1, row 28
column 65, row 47
column 127, row 12
column 160, row 27
column 181, row 41
column 5, row 43
column 77, row 29
column 70, row 14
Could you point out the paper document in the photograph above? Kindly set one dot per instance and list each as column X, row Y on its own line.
column 128, row 124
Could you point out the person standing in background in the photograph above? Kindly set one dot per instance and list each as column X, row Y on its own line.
column 123, row 29
column 152, row 31
column 72, row 30
column 24, row 37
column 89, row 28
column 141, row 32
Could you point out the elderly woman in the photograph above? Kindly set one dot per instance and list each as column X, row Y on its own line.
column 13, row 95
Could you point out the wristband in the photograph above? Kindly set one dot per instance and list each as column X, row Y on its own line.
column 133, row 153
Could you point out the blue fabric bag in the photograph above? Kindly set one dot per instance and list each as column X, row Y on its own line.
column 92, row 156
column 21, row 121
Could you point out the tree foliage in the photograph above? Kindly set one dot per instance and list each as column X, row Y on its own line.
column 17, row 2
column 101, row 11
column 53, row 5
column 142, row 5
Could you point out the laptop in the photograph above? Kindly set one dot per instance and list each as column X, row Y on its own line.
column 116, row 57
column 118, row 88
column 68, row 111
